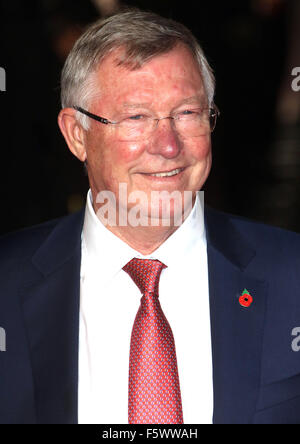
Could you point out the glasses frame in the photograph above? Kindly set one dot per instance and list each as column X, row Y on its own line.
column 213, row 109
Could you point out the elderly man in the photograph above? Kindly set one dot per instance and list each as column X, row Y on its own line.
column 143, row 307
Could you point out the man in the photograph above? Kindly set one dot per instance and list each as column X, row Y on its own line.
column 221, row 341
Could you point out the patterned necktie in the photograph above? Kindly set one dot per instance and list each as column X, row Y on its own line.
column 154, row 391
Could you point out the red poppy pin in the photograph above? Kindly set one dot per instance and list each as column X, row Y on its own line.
column 246, row 299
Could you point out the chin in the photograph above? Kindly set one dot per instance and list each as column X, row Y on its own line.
column 169, row 212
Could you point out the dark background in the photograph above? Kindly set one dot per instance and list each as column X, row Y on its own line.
column 252, row 45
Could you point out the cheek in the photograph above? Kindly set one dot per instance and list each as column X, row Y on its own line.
column 201, row 151
column 125, row 152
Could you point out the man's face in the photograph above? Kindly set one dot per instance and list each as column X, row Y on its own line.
column 161, row 87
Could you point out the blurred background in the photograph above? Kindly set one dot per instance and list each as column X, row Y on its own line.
column 252, row 45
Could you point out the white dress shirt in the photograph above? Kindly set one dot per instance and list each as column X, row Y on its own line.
column 109, row 301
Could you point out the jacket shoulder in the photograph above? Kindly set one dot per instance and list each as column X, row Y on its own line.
column 277, row 250
column 23, row 243
column 252, row 229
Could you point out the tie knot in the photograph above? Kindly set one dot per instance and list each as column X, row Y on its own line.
column 145, row 273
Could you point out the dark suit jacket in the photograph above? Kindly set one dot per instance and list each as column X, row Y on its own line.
column 255, row 370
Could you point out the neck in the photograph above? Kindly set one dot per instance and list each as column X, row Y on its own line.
column 145, row 240
column 144, row 235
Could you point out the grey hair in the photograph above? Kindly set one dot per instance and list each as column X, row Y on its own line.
column 143, row 36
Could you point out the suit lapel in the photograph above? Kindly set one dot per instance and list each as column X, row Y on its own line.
column 51, row 313
column 237, row 332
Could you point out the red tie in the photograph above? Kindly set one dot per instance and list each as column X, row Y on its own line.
column 154, row 391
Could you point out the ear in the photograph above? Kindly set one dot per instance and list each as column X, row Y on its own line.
column 72, row 132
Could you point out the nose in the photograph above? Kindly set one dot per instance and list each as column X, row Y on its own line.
column 164, row 140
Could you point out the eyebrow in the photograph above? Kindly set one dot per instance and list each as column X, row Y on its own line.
column 186, row 101
column 136, row 105
column 191, row 100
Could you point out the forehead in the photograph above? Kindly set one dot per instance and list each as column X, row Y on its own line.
column 175, row 73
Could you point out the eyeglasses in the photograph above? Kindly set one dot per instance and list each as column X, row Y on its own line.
column 187, row 123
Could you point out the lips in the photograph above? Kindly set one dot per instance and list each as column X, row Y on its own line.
column 165, row 173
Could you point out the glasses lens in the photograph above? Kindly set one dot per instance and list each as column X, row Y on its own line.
column 193, row 123
column 135, row 128
column 187, row 124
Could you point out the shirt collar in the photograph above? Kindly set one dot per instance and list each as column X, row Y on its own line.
column 108, row 253
column 186, row 237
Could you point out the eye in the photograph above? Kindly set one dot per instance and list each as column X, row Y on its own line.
column 137, row 117
column 189, row 112
column 186, row 112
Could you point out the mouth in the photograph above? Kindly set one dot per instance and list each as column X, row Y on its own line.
column 165, row 173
